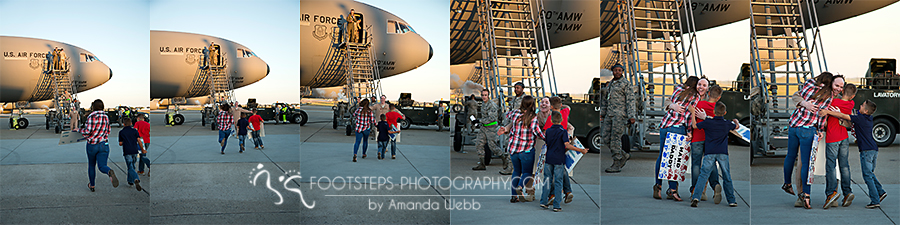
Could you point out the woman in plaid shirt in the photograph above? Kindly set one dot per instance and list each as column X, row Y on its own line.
column 96, row 130
column 684, row 99
column 364, row 120
column 522, row 132
column 225, row 120
column 813, row 95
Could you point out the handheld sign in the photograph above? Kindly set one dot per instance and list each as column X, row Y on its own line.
column 69, row 137
column 572, row 157
column 742, row 132
column 675, row 157
column 816, row 158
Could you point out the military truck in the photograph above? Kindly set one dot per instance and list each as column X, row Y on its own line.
column 267, row 112
column 882, row 86
column 119, row 114
column 421, row 113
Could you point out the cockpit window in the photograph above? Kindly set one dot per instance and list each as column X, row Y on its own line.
column 86, row 58
column 244, row 53
column 394, row 27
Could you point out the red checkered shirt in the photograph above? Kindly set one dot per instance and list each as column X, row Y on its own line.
column 673, row 118
column 803, row 117
column 96, row 128
column 363, row 120
column 521, row 137
column 225, row 120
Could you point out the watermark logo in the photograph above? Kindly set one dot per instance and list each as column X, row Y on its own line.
column 290, row 175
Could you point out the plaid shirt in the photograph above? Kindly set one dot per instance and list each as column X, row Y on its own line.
column 225, row 120
column 673, row 118
column 521, row 137
column 363, row 120
column 96, row 128
column 803, row 117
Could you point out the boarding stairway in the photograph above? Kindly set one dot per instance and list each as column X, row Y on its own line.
column 515, row 47
column 363, row 78
column 781, row 60
column 656, row 54
column 214, row 73
column 64, row 93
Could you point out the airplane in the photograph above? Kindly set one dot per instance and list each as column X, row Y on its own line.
column 174, row 58
column 396, row 46
column 21, row 72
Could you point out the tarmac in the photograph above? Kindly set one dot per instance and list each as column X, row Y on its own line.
column 627, row 196
column 189, row 180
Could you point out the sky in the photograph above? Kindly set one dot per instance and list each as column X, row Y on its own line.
column 115, row 31
column 431, row 20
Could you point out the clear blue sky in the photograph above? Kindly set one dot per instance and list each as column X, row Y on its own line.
column 431, row 20
column 115, row 31
column 270, row 28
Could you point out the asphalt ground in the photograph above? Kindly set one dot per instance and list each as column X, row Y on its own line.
column 189, row 180
column 626, row 197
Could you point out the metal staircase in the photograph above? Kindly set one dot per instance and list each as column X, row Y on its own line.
column 214, row 72
column 656, row 54
column 515, row 47
column 781, row 60
column 363, row 77
column 65, row 100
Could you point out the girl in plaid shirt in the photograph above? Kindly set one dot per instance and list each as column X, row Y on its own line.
column 684, row 99
column 522, row 132
column 813, row 95
column 225, row 120
column 96, row 130
column 364, row 119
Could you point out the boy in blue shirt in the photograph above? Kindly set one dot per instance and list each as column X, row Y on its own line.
column 557, row 140
column 868, row 149
column 716, row 150
column 130, row 141
column 383, row 131
column 242, row 125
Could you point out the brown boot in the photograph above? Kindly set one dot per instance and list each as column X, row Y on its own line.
column 480, row 165
column 615, row 168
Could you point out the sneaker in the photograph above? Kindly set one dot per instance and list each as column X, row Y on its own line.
column 788, row 188
column 694, row 202
column 393, row 157
column 848, row 199
column 656, row 189
column 354, row 158
column 732, row 204
column 223, row 152
column 557, row 209
column 137, row 185
column 830, row 199
column 717, row 197
column 112, row 178
column 872, row 206
column 569, row 197
column 241, row 151
column 882, row 196
column 702, row 195
column 545, row 206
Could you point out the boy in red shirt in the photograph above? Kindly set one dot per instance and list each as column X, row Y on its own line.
column 255, row 128
column 837, row 147
column 698, row 144
column 392, row 117
column 143, row 129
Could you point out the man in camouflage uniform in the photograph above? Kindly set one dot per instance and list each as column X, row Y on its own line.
column 490, row 113
column 516, row 100
column 619, row 109
column 471, row 110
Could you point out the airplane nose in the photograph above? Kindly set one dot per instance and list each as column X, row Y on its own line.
column 110, row 73
column 268, row 69
column 430, row 52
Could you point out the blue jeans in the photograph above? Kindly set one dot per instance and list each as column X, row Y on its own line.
column 697, row 150
column 144, row 160
column 867, row 165
column 838, row 150
column 97, row 155
column 799, row 141
column 709, row 162
column 393, row 148
column 662, row 141
column 553, row 177
column 257, row 141
column 241, row 139
column 129, row 162
column 361, row 136
column 382, row 145
column 223, row 138
column 566, row 187
column 523, row 166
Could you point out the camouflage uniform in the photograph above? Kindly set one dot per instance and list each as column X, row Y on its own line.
column 471, row 110
column 618, row 109
column 490, row 113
